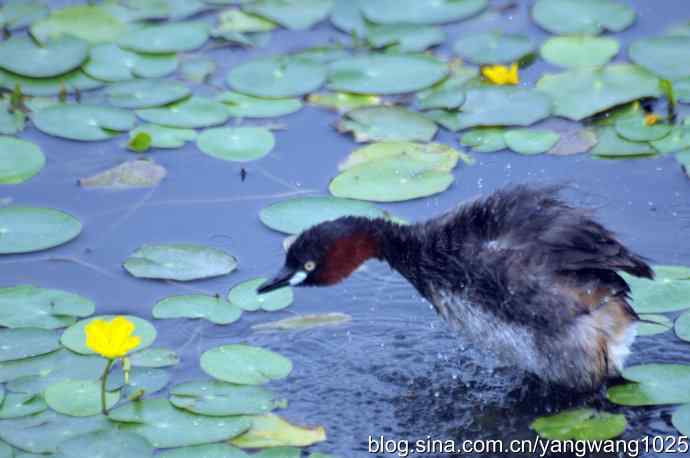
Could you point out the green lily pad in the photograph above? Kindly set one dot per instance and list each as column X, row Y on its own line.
column 244, row 296
column 494, row 47
column 238, row 144
column 214, row 398
column 16, row 14
column 347, row 17
column 654, row 384
column 678, row 139
column 166, row 38
column 448, row 119
column 190, row 113
column 161, row 137
column 205, row 451
column 27, row 229
column 681, row 419
column 300, row 213
column 682, row 327
column 78, row 398
column 101, row 445
column 387, row 124
column 612, row 145
column 273, row 431
column 146, row 380
column 146, row 93
column 198, row 69
column 421, row 11
column 154, row 357
column 179, row 262
column 83, row 122
column 292, row 14
column 54, row 427
column 89, row 22
column 344, row 101
column 74, row 337
column 443, row 156
column 668, row 292
column 635, row 129
column 386, row 73
column 27, row 342
column 531, row 141
column 247, row 106
column 579, row 50
column 302, row 322
column 580, row 424
column 11, row 121
column 109, row 62
column 485, row 139
column 245, row 365
column 583, row 92
column 68, row 83
column 27, row 306
column 322, row 54
column 503, row 106
column 19, row 160
column 212, row 308
column 238, row 21
column 583, row 16
column 130, row 174
column 681, row 89
column 280, row 76
column 657, row 325
column 18, row 405
column 668, row 57
column 449, row 93
column 23, row 56
column 405, row 37
column 165, row 426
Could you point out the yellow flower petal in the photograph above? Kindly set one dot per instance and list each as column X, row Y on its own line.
column 651, row 119
column 500, row 74
column 111, row 339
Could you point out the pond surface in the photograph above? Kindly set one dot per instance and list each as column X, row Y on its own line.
column 395, row 370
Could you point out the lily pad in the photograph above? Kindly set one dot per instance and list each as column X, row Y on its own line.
column 245, row 297
column 234, row 20
column 154, row 357
column 146, row 93
column 449, row 93
column 142, row 381
column 678, row 139
column 130, row 174
column 102, row 445
column 681, row 419
column 162, row 137
column 23, row 56
column 205, row 451
column 280, row 76
column 636, row 129
column 653, row 324
column 68, row 83
column 612, row 145
column 297, row 214
column 11, row 121
column 238, row 144
column 19, row 160
column 347, row 17
column 386, row 73
column 405, row 37
column 448, row 119
column 682, row 327
column 668, row 292
column 166, row 38
column 74, row 337
column 302, row 322
column 27, row 306
column 78, row 398
column 583, row 16
column 28, row 229
column 580, row 424
column 274, row 431
column 531, row 141
column 214, row 398
column 245, row 365
column 89, row 22
column 485, row 139
column 179, row 262
column 494, row 47
column 190, row 113
column 668, row 57
column 26, row 342
column 109, row 62
column 18, row 405
column 421, row 11
column 83, row 122
column 344, row 101
column 579, row 50
column 212, row 308
column 15, row 14
column 292, row 14
column 503, row 106
column 654, row 384
column 442, row 155
column 165, row 426
column 247, row 106
column 583, row 92
column 387, row 124
column 198, row 69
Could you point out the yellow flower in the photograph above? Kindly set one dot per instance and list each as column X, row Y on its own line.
column 111, row 339
column 500, row 74
column 650, row 119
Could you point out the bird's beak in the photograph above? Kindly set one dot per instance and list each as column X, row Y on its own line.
column 286, row 277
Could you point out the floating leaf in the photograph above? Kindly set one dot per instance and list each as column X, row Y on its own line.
column 280, row 76
column 130, row 174
column 139, row 143
column 78, row 398
column 146, row 93
column 74, row 337
column 247, row 106
column 668, row 57
column 245, row 297
column 531, row 141
column 322, row 54
column 145, row 380
column 297, row 214
column 347, row 17
column 11, row 121
column 387, row 124
column 244, row 364
column 88, row 22
column 678, row 139
column 449, row 93
column 442, row 155
column 23, row 56
column 681, row 419
column 16, row 14
column 27, row 229
column 503, row 106
column 681, row 89
column 179, row 262
column 68, row 83
column 190, row 113
column 655, row 384
column 494, row 47
column 18, row 405
column 448, row 119
column 420, row 11
column 109, row 62
column 205, row 451
column 485, row 139
column 574, row 140
column 344, row 101
column 386, row 73
column 214, row 398
column 580, row 424
column 27, row 306
column 302, row 322
column 635, row 128
column 165, row 426
column 668, row 292
column 83, row 122
column 239, row 21
column 198, row 69
column 105, row 444
column 212, row 308
column 682, row 327
column 161, row 136
column 405, row 37
column 583, row 92
column 579, row 50
column 612, row 145
column 292, row 14
column 154, row 357
column 166, row 38
column 653, row 324
column 19, row 160
column 583, row 16
column 239, row 144
column 163, row 9
column 273, row 431
column 26, row 342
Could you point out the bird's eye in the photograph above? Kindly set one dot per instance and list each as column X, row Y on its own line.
column 309, row 266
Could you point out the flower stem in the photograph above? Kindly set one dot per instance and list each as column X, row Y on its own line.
column 104, row 383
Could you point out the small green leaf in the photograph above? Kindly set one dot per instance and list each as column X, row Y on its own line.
column 580, row 424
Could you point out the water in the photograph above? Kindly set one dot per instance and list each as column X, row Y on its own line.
column 395, row 370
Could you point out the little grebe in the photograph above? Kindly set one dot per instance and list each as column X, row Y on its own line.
column 520, row 273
